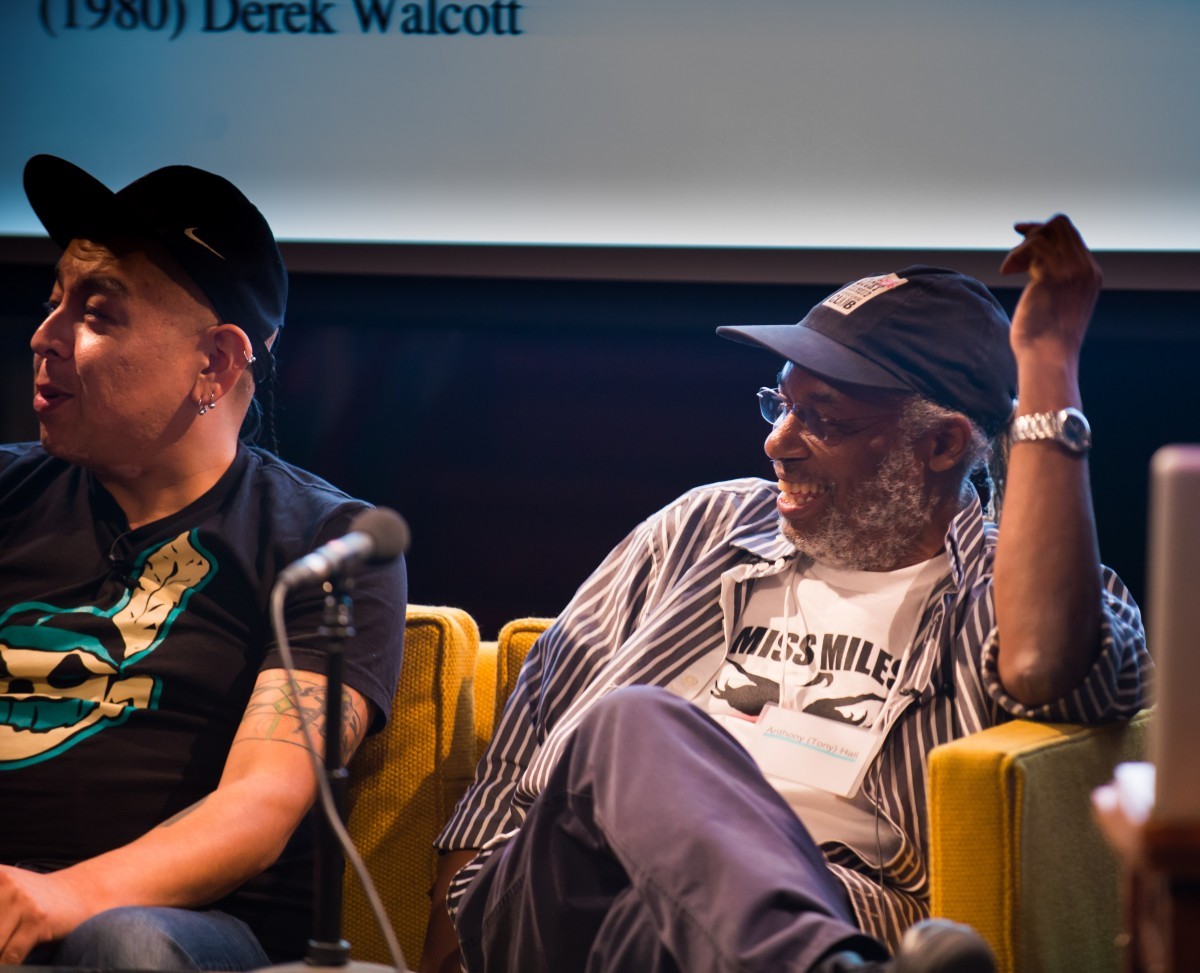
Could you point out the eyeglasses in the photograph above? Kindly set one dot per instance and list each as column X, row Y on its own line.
column 775, row 407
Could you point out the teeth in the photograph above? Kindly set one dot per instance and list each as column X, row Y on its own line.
column 803, row 489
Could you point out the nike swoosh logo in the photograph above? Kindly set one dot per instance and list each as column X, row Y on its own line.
column 190, row 233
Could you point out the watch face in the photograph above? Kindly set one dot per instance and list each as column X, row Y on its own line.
column 1075, row 431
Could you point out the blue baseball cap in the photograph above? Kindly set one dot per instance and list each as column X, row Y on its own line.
column 935, row 332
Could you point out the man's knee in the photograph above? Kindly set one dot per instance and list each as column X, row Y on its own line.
column 618, row 726
column 160, row 939
column 637, row 704
column 125, row 938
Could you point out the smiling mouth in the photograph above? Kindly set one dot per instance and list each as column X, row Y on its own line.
column 801, row 492
column 799, row 501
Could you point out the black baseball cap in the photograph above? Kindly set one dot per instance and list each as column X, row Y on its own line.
column 922, row 329
column 215, row 233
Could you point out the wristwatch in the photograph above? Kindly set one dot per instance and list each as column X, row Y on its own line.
column 1068, row 427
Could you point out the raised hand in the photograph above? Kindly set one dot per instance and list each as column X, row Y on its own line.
column 1052, row 315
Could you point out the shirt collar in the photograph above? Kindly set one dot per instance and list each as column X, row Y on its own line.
column 767, row 544
column 964, row 539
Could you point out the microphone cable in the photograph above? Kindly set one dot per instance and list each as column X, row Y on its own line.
column 325, row 793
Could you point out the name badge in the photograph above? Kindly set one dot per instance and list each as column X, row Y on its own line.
column 814, row 751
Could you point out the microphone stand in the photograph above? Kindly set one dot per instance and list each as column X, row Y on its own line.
column 327, row 947
column 327, row 950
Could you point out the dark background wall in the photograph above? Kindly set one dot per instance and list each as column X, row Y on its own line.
column 522, row 427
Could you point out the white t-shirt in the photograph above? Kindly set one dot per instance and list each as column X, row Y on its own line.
column 828, row 642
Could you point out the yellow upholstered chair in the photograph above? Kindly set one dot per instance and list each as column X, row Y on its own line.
column 405, row 781
column 485, row 695
column 496, row 672
column 1014, row 850
column 515, row 641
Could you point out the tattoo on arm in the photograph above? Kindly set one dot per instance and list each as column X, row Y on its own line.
column 276, row 713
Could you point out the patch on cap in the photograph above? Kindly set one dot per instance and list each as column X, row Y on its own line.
column 858, row 293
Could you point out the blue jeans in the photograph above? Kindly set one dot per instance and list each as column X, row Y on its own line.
column 137, row 938
column 656, row 846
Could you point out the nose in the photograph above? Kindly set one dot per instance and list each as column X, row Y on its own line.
column 788, row 439
column 54, row 336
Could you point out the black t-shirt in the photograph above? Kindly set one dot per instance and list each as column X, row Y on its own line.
column 127, row 657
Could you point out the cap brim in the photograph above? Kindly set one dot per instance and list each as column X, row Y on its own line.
column 71, row 203
column 815, row 353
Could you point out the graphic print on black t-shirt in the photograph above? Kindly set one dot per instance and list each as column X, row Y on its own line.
column 69, row 672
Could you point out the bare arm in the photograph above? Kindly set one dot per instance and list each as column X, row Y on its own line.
column 210, row 848
column 1048, row 586
column 440, row 952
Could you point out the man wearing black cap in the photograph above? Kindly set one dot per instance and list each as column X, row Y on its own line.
column 715, row 758
column 154, row 771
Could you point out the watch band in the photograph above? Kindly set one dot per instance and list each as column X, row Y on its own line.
column 1067, row 427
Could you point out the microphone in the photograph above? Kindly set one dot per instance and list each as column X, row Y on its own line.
column 376, row 536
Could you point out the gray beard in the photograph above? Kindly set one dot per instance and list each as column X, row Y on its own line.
column 887, row 514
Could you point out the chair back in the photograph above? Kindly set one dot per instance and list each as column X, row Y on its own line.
column 1014, row 849
column 405, row 781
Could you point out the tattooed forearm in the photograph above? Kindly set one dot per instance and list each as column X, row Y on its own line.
column 277, row 712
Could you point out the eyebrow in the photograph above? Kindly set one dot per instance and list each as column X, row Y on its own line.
column 817, row 397
column 97, row 282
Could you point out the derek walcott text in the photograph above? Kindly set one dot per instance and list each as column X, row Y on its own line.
column 171, row 18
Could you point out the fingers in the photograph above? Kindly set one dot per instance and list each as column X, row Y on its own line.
column 15, row 938
column 23, row 924
column 1054, row 246
column 1056, row 304
column 9, row 917
column 1019, row 257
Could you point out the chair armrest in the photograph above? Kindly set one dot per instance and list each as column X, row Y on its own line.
column 1013, row 848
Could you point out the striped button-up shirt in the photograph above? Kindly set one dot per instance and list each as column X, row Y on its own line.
column 661, row 609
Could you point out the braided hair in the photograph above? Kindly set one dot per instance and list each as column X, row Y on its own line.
column 258, row 428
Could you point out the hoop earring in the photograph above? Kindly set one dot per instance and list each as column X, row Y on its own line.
column 210, row 404
column 250, row 359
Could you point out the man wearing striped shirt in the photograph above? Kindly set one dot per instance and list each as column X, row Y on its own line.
column 715, row 758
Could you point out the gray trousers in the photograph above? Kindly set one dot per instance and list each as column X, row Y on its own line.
column 657, row 845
